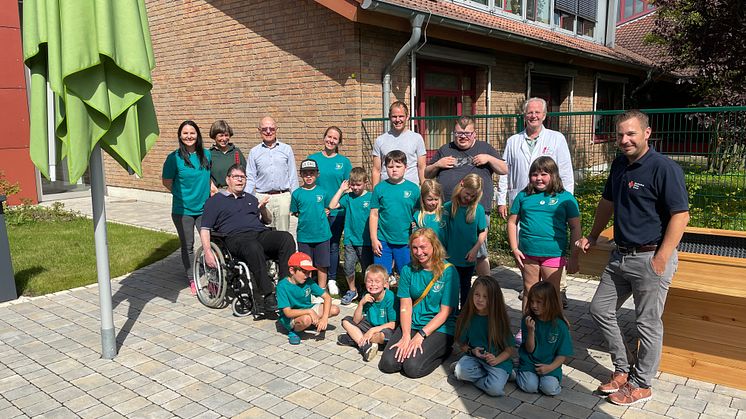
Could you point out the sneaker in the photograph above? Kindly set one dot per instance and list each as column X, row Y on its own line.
column 192, row 287
column 618, row 380
column 345, row 340
column 333, row 288
column 349, row 297
column 293, row 338
column 564, row 298
column 369, row 350
column 519, row 338
column 392, row 280
column 512, row 375
column 452, row 368
column 628, row 395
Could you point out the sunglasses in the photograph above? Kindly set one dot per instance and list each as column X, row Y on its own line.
column 268, row 129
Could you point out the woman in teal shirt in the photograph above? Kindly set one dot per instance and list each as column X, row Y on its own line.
column 186, row 173
column 333, row 169
column 428, row 298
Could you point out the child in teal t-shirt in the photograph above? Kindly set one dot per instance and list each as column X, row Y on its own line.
column 297, row 312
column 374, row 319
column 309, row 204
column 355, row 200
column 391, row 212
column 546, row 342
column 431, row 213
column 483, row 334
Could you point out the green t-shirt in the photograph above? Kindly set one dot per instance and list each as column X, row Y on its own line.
column 332, row 171
column 552, row 340
column 381, row 312
column 440, row 227
column 313, row 224
column 295, row 296
column 191, row 186
column 475, row 335
column 443, row 292
column 221, row 162
column 357, row 213
column 462, row 236
column 543, row 220
column 395, row 204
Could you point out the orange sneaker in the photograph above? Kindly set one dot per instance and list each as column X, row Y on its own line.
column 629, row 395
column 618, row 379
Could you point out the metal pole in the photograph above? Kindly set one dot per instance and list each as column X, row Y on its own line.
column 108, row 339
column 7, row 280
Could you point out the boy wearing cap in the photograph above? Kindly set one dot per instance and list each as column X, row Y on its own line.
column 309, row 203
column 294, row 292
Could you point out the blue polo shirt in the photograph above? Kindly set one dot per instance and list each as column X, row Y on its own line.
column 644, row 193
column 229, row 214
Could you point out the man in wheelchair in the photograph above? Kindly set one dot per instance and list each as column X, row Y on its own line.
column 242, row 220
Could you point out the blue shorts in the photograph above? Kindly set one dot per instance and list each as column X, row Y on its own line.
column 319, row 252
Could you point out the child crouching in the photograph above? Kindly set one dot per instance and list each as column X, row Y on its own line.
column 374, row 319
column 297, row 312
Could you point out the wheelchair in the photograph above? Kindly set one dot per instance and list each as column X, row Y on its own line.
column 230, row 282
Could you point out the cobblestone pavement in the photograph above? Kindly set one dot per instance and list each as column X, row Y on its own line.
column 178, row 358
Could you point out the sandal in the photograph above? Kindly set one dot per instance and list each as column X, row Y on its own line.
column 293, row 338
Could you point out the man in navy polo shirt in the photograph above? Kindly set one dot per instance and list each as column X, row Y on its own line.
column 646, row 193
column 242, row 219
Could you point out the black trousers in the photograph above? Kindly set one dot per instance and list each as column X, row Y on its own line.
column 435, row 349
column 255, row 248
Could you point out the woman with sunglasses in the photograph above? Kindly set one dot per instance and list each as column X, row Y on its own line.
column 186, row 174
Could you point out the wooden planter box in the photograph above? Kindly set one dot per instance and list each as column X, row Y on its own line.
column 705, row 315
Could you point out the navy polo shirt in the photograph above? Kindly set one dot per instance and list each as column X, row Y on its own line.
column 229, row 215
column 644, row 193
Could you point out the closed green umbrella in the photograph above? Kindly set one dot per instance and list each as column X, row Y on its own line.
column 96, row 57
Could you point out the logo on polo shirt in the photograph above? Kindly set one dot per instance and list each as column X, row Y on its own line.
column 635, row 185
column 407, row 194
column 319, row 198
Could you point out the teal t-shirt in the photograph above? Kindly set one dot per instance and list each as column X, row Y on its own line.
column 357, row 213
column 295, row 296
column 191, row 186
column 332, row 171
column 381, row 312
column 443, row 292
column 543, row 220
column 313, row 224
column 475, row 335
column 552, row 340
column 395, row 204
column 429, row 220
column 462, row 236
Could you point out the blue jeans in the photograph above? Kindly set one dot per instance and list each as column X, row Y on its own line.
column 530, row 382
column 390, row 253
column 337, row 225
column 485, row 377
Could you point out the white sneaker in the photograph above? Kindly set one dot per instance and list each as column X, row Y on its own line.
column 392, row 280
column 333, row 288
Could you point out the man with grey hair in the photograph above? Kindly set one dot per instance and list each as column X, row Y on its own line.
column 525, row 147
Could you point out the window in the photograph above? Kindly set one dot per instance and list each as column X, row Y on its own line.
column 577, row 16
column 630, row 9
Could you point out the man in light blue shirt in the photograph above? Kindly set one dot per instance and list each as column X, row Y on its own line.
column 271, row 172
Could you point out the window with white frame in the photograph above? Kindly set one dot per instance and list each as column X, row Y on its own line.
column 577, row 16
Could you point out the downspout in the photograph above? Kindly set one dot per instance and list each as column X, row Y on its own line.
column 416, row 21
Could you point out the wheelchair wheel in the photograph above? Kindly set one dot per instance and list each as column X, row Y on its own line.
column 242, row 305
column 211, row 283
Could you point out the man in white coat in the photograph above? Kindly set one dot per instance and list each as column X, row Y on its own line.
column 522, row 149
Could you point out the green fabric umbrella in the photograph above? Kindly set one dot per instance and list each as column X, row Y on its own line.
column 96, row 56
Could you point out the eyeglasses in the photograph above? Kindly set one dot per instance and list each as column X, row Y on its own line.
column 463, row 134
column 268, row 129
column 237, row 177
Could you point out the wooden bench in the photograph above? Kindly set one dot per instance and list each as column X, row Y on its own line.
column 705, row 315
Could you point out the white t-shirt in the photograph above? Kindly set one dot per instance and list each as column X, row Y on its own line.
column 410, row 142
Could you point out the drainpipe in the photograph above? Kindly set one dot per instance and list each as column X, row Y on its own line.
column 416, row 21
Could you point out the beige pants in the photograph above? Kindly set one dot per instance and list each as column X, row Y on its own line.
column 279, row 207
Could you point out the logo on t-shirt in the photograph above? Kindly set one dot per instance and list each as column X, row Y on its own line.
column 407, row 194
column 635, row 185
column 463, row 161
column 319, row 198
column 438, row 286
column 338, row 166
column 307, row 292
column 553, row 337
column 366, row 204
column 553, row 201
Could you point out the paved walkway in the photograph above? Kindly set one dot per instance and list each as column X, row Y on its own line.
column 179, row 359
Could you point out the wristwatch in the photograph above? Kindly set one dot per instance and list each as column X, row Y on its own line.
column 422, row 333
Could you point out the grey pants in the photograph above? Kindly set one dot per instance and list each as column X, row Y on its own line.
column 185, row 226
column 625, row 275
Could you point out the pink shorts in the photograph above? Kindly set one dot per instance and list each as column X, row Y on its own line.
column 549, row 262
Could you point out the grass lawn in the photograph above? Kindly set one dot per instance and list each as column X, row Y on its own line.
column 50, row 256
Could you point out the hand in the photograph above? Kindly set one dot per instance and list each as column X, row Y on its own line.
column 367, row 298
column 326, row 211
column 478, row 352
column 213, row 189
column 415, row 344
column 530, row 324
column 314, row 316
column 543, row 369
column 573, row 265
column 377, row 247
column 658, row 265
column 503, row 211
column 471, row 256
column 490, row 359
column 519, row 257
column 210, row 259
column 264, row 201
column 401, row 348
column 480, row 159
column 368, row 336
column 322, row 323
column 446, row 162
column 345, row 186
column 462, row 347
column 585, row 243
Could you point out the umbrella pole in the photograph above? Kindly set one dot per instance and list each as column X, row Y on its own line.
column 108, row 339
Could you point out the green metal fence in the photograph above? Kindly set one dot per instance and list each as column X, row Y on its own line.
column 708, row 143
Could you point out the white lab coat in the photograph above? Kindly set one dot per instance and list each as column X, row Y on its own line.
column 518, row 157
